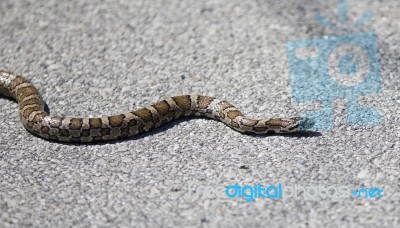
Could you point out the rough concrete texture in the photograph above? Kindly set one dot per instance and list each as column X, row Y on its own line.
column 106, row 57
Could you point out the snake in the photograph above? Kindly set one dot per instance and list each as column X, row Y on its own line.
column 40, row 123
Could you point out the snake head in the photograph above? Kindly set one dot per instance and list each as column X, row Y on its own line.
column 295, row 124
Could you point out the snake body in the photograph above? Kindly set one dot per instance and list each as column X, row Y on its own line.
column 71, row 129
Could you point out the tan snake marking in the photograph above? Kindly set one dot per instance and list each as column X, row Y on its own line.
column 71, row 129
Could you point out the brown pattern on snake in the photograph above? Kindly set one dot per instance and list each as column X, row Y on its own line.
column 66, row 129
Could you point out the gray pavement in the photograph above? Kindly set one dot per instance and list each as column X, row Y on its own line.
column 106, row 57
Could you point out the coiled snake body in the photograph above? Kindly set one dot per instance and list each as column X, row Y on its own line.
column 70, row 129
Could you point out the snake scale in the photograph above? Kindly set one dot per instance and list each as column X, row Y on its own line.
column 71, row 129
